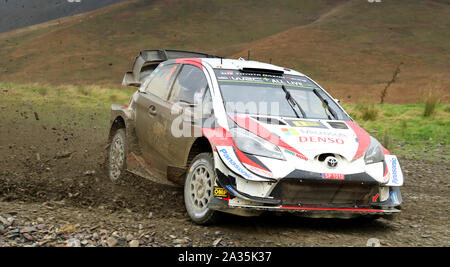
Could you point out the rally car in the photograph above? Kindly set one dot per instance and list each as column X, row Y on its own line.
column 245, row 137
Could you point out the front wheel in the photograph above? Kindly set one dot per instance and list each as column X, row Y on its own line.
column 117, row 155
column 199, row 189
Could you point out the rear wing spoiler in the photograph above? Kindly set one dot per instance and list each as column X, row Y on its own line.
column 148, row 60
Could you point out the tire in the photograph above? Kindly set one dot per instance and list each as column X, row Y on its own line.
column 199, row 189
column 117, row 151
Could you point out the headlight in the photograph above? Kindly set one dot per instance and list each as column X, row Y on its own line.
column 375, row 153
column 253, row 144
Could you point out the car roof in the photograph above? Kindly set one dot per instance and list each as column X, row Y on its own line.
column 241, row 63
column 238, row 64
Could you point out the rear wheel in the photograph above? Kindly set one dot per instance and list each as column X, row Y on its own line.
column 199, row 189
column 117, row 155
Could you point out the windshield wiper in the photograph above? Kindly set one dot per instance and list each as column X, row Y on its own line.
column 292, row 102
column 325, row 102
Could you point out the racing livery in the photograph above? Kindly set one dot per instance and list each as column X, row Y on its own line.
column 245, row 137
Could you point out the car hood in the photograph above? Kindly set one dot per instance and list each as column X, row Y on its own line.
column 309, row 138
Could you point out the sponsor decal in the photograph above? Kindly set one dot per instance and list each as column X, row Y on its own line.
column 394, row 171
column 233, row 163
column 296, row 78
column 314, row 139
column 227, row 72
column 220, row 192
column 294, row 154
column 300, row 123
column 328, row 133
column 333, row 176
column 258, row 78
column 303, row 84
column 289, row 131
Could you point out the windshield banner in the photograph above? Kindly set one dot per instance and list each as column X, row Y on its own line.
column 263, row 79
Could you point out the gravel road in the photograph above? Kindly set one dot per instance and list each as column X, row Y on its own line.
column 53, row 192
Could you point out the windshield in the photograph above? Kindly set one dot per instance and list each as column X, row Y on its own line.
column 263, row 94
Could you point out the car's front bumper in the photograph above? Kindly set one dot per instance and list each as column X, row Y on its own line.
column 322, row 212
column 310, row 196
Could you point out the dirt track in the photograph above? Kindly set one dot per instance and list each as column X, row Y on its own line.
column 53, row 192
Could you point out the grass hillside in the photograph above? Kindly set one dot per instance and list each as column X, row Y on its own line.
column 354, row 50
column 15, row 14
column 351, row 47
column 98, row 47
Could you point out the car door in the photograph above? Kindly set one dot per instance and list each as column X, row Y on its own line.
column 152, row 109
column 186, row 99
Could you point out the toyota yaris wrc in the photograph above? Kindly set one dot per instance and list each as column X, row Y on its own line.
column 245, row 137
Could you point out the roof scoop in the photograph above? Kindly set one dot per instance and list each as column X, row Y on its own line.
column 263, row 71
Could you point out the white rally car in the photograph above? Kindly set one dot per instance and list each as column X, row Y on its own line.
column 245, row 137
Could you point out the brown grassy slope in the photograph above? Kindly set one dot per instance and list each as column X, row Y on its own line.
column 97, row 48
column 354, row 50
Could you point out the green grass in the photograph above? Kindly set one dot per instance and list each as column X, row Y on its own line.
column 367, row 111
column 405, row 130
column 62, row 106
column 430, row 104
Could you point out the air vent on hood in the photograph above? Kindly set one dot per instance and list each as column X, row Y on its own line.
column 269, row 120
column 338, row 125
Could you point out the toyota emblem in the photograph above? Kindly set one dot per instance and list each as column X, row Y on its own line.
column 332, row 162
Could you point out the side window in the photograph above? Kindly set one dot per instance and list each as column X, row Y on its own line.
column 190, row 84
column 161, row 80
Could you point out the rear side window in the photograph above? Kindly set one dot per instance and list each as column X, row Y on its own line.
column 160, row 80
column 190, row 83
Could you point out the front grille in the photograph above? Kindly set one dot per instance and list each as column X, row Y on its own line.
column 297, row 192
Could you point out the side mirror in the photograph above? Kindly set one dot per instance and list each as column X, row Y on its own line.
column 336, row 100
